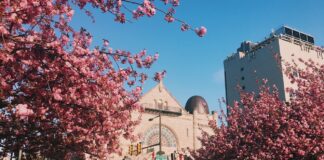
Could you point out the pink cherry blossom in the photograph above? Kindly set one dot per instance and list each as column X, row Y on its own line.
column 22, row 111
column 119, row 3
column 139, row 12
column 175, row 2
column 261, row 126
column 165, row 1
column 169, row 18
column 120, row 18
column 159, row 76
column 184, row 27
column 201, row 31
column 60, row 96
column 106, row 43
column 156, row 56
column 149, row 8
column 57, row 95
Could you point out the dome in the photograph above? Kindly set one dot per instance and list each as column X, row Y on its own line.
column 197, row 103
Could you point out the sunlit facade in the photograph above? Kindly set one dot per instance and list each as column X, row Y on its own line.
column 266, row 60
column 180, row 126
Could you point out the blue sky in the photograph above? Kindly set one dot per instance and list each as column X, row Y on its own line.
column 195, row 65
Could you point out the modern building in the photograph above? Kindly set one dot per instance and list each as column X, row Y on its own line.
column 253, row 62
column 180, row 126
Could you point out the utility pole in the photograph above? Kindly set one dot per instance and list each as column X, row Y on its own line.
column 160, row 133
column 19, row 154
column 160, row 152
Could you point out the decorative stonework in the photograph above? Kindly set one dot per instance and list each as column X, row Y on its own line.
column 180, row 129
column 152, row 137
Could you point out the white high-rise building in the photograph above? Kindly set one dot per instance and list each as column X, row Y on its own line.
column 266, row 60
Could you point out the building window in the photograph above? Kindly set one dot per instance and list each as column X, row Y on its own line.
column 288, row 31
column 303, row 36
column 160, row 104
column 243, row 87
column 295, row 73
column 310, row 39
column 242, row 68
column 296, row 34
column 292, row 95
column 292, row 71
column 242, row 78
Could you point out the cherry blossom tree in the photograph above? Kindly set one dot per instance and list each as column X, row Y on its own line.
column 261, row 126
column 59, row 97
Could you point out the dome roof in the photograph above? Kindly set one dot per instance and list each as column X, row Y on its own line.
column 197, row 102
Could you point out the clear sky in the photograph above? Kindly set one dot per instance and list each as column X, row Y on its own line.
column 195, row 65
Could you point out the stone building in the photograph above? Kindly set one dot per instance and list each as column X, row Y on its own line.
column 180, row 126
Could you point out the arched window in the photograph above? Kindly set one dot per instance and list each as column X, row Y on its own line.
column 151, row 136
column 160, row 104
column 166, row 106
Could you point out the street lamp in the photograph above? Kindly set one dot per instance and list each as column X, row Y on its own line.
column 160, row 152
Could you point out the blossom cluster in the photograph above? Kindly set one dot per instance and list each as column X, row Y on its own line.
column 59, row 97
column 262, row 126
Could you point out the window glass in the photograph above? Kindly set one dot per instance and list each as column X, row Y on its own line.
column 296, row 34
column 288, row 31
column 310, row 39
column 303, row 36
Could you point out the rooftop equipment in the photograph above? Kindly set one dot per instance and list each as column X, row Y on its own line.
column 284, row 30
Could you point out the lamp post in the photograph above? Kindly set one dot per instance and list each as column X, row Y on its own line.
column 160, row 152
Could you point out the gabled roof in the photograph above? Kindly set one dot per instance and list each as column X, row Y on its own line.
column 160, row 92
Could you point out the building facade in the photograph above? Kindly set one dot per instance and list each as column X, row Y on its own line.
column 180, row 126
column 266, row 60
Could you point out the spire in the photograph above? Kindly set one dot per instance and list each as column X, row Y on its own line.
column 160, row 86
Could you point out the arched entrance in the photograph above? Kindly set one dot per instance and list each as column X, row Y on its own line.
column 168, row 138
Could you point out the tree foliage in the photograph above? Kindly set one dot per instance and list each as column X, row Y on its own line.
column 261, row 126
column 59, row 97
